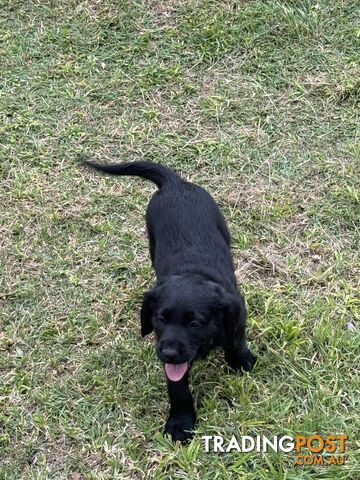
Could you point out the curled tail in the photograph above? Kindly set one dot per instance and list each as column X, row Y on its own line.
column 155, row 172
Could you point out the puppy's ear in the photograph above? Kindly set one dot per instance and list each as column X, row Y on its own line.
column 233, row 314
column 147, row 312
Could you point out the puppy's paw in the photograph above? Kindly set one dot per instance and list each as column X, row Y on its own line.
column 180, row 427
column 241, row 361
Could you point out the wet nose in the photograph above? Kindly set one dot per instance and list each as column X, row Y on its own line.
column 169, row 353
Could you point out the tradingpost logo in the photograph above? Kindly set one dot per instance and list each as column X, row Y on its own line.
column 307, row 450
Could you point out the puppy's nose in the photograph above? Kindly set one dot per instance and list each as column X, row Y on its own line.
column 169, row 353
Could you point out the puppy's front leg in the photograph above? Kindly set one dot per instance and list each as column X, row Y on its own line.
column 238, row 356
column 181, row 421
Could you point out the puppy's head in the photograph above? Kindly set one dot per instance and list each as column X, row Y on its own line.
column 186, row 313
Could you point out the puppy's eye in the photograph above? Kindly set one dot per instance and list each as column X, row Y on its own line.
column 160, row 320
column 192, row 321
column 194, row 324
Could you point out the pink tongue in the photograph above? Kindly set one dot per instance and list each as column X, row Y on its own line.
column 175, row 372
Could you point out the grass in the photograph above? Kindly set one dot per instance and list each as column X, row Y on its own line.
column 258, row 102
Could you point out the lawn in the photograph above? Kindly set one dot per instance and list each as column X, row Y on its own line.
column 257, row 101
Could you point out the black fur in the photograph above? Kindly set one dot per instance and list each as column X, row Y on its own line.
column 195, row 305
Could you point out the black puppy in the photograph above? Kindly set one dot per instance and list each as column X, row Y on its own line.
column 194, row 305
